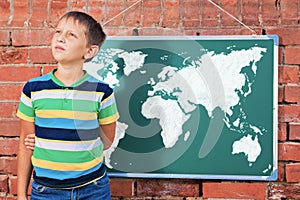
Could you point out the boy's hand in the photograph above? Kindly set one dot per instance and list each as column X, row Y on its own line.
column 30, row 141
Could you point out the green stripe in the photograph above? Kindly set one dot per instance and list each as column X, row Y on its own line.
column 67, row 156
column 108, row 111
column 66, row 104
column 26, row 110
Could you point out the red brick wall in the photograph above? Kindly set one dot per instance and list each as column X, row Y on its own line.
column 25, row 53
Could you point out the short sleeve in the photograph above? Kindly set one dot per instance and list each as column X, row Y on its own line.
column 25, row 110
column 108, row 112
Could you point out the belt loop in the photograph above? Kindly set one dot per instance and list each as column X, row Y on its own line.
column 73, row 194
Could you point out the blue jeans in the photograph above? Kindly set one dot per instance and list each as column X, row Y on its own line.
column 98, row 190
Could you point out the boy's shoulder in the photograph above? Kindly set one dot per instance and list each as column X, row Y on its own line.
column 92, row 79
column 37, row 83
column 99, row 85
column 45, row 77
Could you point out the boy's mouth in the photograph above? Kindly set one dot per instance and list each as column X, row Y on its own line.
column 59, row 48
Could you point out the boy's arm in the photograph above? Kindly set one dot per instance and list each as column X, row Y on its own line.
column 24, row 160
column 107, row 134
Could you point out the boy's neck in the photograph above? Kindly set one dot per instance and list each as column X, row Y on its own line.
column 69, row 75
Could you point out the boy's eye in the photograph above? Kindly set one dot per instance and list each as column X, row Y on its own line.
column 72, row 34
column 66, row 34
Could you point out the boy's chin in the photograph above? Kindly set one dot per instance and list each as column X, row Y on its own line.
column 57, row 57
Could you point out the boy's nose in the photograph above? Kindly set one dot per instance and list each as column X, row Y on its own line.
column 61, row 38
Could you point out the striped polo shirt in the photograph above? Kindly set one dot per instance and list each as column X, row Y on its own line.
column 68, row 150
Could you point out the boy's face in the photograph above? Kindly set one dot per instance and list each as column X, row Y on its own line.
column 69, row 42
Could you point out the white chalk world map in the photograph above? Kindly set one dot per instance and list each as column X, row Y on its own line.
column 218, row 82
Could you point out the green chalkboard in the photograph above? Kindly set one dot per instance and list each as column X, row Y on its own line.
column 192, row 107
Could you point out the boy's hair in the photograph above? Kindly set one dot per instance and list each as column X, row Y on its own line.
column 94, row 32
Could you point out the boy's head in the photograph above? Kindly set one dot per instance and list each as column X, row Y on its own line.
column 77, row 35
column 93, row 30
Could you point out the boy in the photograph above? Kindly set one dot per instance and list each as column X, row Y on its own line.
column 67, row 110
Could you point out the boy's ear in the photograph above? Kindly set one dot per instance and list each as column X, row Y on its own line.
column 91, row 52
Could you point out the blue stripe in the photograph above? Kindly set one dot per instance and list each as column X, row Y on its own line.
column 66, row 134
column 45, row 82
column 45, row 77
column 50, row 182
column 91, row 79
column 66, row 123
column 62, row 175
